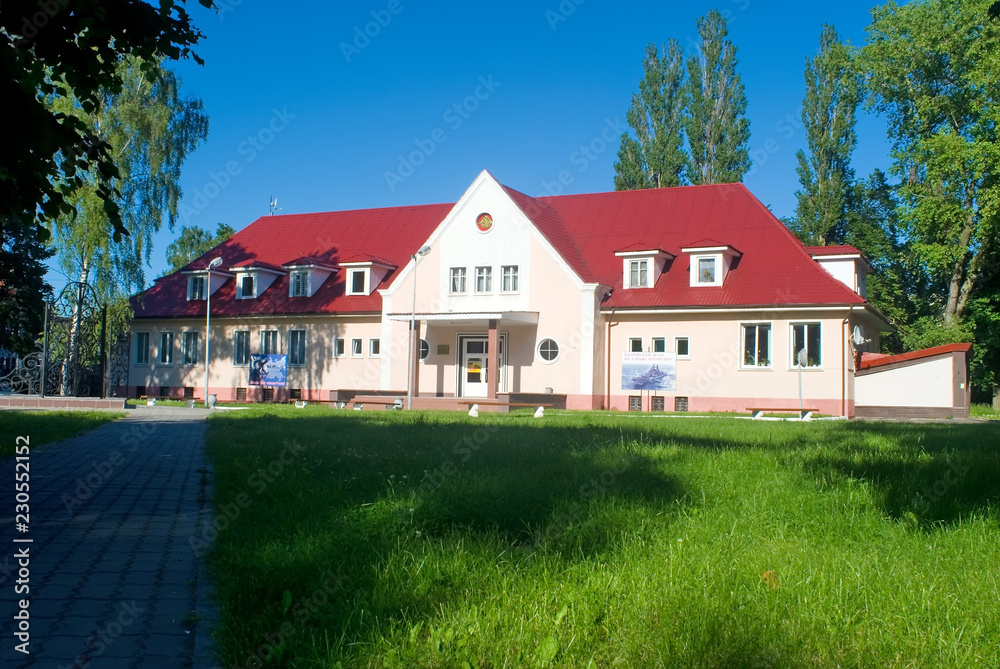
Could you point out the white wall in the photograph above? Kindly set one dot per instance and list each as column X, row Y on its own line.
column 925, row 383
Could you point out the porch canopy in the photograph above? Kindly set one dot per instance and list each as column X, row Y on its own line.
column 491, row 320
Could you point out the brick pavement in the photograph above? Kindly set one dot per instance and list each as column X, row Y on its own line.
column 113, row 578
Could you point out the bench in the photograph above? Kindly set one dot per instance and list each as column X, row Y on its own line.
column 190, row 400
column 758, row 412
column 388, row 403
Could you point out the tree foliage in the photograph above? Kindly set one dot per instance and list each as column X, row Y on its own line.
column 149, row 129
column 193, row 243
column 716, row 126
column 56, row 50
column 828, row 115
column 931, row 68
column 23, row 292
column 656, row 158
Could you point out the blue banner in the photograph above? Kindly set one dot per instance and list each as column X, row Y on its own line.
column 268, row 370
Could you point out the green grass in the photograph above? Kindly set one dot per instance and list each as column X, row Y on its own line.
column 42, row 427
column 984, row 411
column 396, row 539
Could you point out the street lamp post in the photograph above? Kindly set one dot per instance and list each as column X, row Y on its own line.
column 208, row 320
column 424, row 250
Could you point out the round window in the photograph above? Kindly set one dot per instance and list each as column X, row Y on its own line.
column 548, row 350
column 425, row 349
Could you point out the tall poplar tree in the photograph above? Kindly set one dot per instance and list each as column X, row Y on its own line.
column 656, row 157
column 149, row 129
column 717, row 129
column 828, row 114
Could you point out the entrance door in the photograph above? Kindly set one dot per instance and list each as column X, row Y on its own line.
column 474, row 367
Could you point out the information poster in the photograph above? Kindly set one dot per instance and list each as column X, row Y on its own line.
column 649, row 371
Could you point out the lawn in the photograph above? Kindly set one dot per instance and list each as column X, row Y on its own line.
column 42, row 427
column 396, row 539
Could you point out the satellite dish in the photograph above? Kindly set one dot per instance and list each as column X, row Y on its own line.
column 857, row 337
column 802, row 358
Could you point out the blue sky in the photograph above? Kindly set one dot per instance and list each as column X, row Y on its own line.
column 320, row 104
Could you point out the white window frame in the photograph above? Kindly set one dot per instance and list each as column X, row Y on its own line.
column 637, row 266
column 716, row 259
column 357, row 347
column 143, row 349
column 169, row 349
column 292, row 278
column 236, row 348
column 186, row 357
column 374, row 347
column 424, row 346
column 662, row 340
column 460, row 273
column 364, row 280
column 292, row 333
column 510, row 275
column 486, row 273
column 793, row 354
column 277, row 342
column 192, row 293
column 240, row 295
column 770, row 346
column 684, row 356
column 632, row 341
column 538, row 350
column 339, row 343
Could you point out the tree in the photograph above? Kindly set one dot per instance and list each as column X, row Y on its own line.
column 23, row 292
column 149, row 129
column 193, row 243
column 717, row 130
column 828, row 114
column 931, row 67
column 51, row 50
column 656, row 158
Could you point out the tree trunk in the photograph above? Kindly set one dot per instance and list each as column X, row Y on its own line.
column 956, row 303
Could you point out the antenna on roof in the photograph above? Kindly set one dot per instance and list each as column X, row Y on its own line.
column 273, row 206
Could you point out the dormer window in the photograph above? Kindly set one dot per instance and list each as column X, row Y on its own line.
column 357, row 281
column 196, row 288
column 710, row 262
column 246, row 287
column 642, row 265
column 299, row 284
column 639, row 274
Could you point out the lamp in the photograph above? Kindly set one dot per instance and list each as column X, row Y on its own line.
column 424, row 250
column 208, row 316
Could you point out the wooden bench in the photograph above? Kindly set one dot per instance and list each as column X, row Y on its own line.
column 758, row 412
column 389, row 402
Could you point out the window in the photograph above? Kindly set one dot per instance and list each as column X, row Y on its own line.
column 241, row 347
column 484, row 279
column 757, row 345
column 300, row 284
column 548, row 350
column 682, row 347
column 296, row 347
column 166, row 348
column 142, row 348
column 508, row 281
column 189, row 347
column 196, row 288
column 357, row 348
column 457, row 281
column 635, row 402
column 374, row 348
column 357, row 280
column 425, row 349
column 338, row 347
column 269, row 342
column 639, row 274
column 706, row 270
column 658, row 403
column 659, row 344
column 246, row 287
column 635, row 344
column 806, row 336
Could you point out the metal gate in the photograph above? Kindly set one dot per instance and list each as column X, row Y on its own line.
column 73, row 356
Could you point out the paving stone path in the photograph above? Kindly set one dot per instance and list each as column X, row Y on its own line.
column 114, row 581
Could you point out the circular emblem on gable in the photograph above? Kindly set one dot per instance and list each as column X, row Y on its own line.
column 484, row 222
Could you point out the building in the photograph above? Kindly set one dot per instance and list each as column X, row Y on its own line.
column 550, row 292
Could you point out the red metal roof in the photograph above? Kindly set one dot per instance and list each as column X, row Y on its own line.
column 833, row 250
column 775, row 268
column 869, row 360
